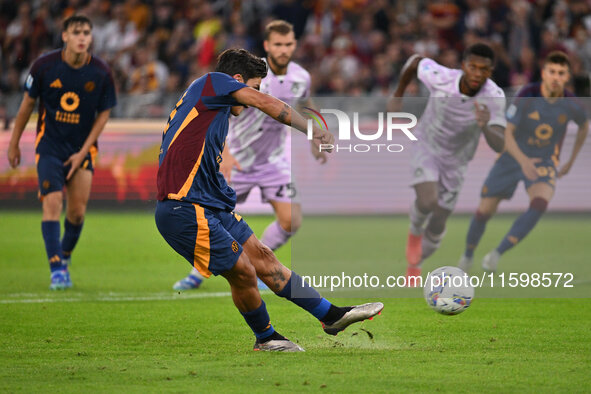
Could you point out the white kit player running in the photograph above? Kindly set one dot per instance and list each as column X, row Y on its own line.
column 254, row 155
column 462, row 104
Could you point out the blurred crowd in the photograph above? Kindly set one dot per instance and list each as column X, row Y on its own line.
column 350, row 47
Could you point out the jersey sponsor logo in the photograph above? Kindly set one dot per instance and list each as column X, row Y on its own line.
column 69, row 102
column 67, row 117
column 544, row 131
column 89, row 86
column 56, row 84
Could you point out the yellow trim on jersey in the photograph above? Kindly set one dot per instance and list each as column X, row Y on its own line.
column 555, row 156
column 185, row 189
column 192, row 115
column 201, row 255
column 173, row 113
column 42, row 131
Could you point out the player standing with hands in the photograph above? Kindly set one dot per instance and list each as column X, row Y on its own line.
column 76, row 94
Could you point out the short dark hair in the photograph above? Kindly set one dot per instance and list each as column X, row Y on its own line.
column 75, row 20
column 277, row 26
column 557, row 57
column 480, row 49
column 240, row 61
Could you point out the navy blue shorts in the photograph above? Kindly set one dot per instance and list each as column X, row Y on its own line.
column 503, row 178
column 52, row 173
column 211, row 240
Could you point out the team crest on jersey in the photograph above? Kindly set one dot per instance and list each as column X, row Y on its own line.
column 46, row 184
column 296, row 88
column 89, row 86
column 235, row 246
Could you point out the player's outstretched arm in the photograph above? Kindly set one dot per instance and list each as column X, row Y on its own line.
column 97, row 128
column 409, row 71
column 528, row 165
column 579, row 141
column 22, row 117
column 281, row 112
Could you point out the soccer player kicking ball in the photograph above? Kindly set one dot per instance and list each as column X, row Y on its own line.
column 195, row 205
column 255, row 147
column 462, row 104
column 76, row 93
column 537, row 121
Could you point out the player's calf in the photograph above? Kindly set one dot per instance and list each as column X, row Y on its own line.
column 523, row 224
column 430, row 243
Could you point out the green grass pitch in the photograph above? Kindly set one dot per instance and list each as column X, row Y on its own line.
column 122, row 329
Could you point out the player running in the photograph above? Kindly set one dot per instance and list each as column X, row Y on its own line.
column 76, row 94
column 462, row 104
column 256, row 145
column 537, row 122
column 195, row 205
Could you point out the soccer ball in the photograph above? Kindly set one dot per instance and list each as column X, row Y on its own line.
column 448, row 291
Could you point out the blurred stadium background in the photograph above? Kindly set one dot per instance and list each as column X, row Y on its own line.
column 353, row 48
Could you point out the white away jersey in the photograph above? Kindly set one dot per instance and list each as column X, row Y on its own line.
column 256, row 139
column 448, row 125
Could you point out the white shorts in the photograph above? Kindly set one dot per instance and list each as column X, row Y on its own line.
column 275, row 184
column 426, row 166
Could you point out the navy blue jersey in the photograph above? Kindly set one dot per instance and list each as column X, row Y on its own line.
column 193, row 141
column 540, row 124
column 69, row 101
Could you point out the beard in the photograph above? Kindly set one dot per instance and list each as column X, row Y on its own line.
column 281, row 61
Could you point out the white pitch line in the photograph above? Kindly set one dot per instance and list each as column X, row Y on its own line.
column 112, row 297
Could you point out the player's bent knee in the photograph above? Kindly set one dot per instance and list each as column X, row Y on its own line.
column 483, row 216
column 52, row 206
column 263, row 255
column 539, row 204
column 427, row 204
column 76, row 217
column 291, row 226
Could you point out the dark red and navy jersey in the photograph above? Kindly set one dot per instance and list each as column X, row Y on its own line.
column 193, row 141
column 69, row 101
column 540, row 124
